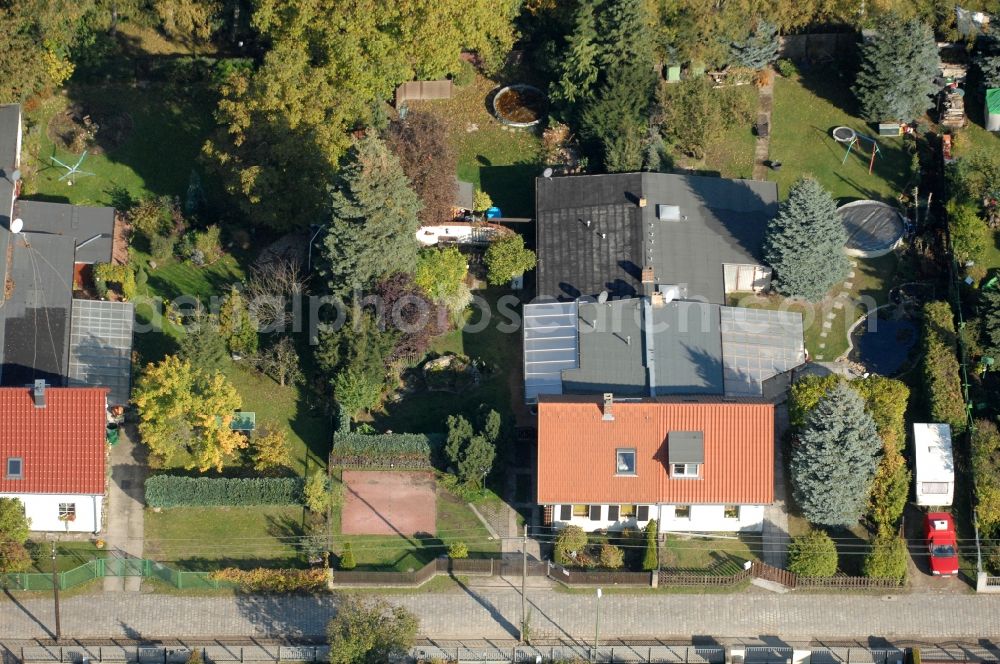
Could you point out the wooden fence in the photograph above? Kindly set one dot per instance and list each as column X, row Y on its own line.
column 688, row 579
column 421, row 90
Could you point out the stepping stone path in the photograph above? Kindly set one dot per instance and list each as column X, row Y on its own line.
column 848, row 284
column 838, row 304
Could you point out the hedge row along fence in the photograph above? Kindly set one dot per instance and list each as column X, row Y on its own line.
column 180, row 491
column 408, row 451
column 941, row 373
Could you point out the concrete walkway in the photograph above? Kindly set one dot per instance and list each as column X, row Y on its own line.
column 124, row 531
column 762, row 148
column 493, row 613
column 775, row 532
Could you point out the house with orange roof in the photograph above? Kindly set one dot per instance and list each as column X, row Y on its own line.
column 53, row 451
column 695, row 464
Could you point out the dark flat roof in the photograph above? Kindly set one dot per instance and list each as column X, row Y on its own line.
column 92, row 228
column 723, row 221
column 36, row 316
column 687, row 349
column 10, row 119
column 611, row 350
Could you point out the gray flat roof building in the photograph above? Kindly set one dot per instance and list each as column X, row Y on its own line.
column 91, row 228
column 597, row 232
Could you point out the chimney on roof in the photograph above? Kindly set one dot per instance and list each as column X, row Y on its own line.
column 647, row 275
column 609, row 399
column 642, row 201
column 38, row 393
column 658, row 299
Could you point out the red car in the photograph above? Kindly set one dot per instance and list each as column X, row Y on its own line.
column 939, row 529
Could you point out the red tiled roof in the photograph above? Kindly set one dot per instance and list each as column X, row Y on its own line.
column 62, row 444
column 576, row 451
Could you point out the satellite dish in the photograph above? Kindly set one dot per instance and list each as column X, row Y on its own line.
column 547, row 173
column 15, row 176
column 16, row 225
column 602, row 297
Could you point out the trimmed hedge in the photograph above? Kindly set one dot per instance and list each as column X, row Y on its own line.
column 942, row 382
column 408, row 451
column 180, row 491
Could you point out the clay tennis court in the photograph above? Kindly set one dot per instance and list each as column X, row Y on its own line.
column 388, row 503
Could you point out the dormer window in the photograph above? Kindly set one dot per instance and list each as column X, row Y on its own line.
column 686, row 453
column 625, row 461
column 15, row 468
column 685, row 469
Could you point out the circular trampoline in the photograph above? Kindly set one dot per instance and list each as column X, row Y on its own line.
column 873, row 228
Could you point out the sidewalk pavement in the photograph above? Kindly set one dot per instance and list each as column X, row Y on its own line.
column 493, row 613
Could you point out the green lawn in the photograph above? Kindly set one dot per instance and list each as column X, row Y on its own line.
column 69, row 555
column 501, row 161
column 155, row 157
column 455, row 523
column 805, row 111
column 730, row 153
column 872, row 280
column 723, row 555
column 201, row 538
column 426, row 412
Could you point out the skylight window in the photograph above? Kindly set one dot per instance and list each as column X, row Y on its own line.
column 625, row 461
column 15, row 468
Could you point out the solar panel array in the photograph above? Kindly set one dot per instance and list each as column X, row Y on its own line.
column 100, row 353
column 756, row 345
column 551, row 344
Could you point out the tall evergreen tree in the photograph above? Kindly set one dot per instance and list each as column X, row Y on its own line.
column 805, row 243
column 834, row 459
column 579, row 67
column 991, row 320
column 374, row 220
column 203, row 345
column 626, row 39
column 759, row 49
column 897, row 72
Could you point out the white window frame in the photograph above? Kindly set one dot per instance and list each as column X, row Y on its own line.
column 682, row 507
column 728, row 508
column 19, row 475
column 685, row 470
column 625, row 450
column 67, row 511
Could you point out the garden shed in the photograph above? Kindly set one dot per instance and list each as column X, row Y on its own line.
column 992, row 111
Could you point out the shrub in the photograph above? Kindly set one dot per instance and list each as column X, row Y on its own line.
column 986, row 474
column 150, row 217
column 315, row 493
column 612, row 556
column 942, row 384
column 813, row 554
column 506, row 258
column 161, row 247
column 970, row 236
column 180, row 491
column 887, row 559
column 481, row 200
column 464, row 74
column 651, row 559
column 209, row 243
column 266, row 580
column 787, row 68
column 347, row 561
column 458, row 550
column 570, row 542
column 123, row 275
column 402, row 450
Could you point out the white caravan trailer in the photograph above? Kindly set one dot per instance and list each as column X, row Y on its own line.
column 935, row 476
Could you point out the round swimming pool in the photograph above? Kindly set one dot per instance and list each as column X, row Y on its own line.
column 873, row 228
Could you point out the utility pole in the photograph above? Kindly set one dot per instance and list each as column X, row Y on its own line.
column 524, row 581
column 597, row 626
column 55, row 592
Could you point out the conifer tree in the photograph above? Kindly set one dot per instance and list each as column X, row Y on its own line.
column 834, row 459
column 579, row 67
column 805, row 243
column 898, row 66
column 374, row 219
column 760, row 48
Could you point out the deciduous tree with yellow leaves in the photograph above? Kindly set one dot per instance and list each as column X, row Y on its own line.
column 185, row 413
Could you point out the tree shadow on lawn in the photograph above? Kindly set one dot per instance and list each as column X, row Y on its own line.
column 511, row 187
column 832, row 84
column 168, row 130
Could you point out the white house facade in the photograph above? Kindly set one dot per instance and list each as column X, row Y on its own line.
column 693, row 464
column 54, row 455
column 69, row 512
column 670, row 518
